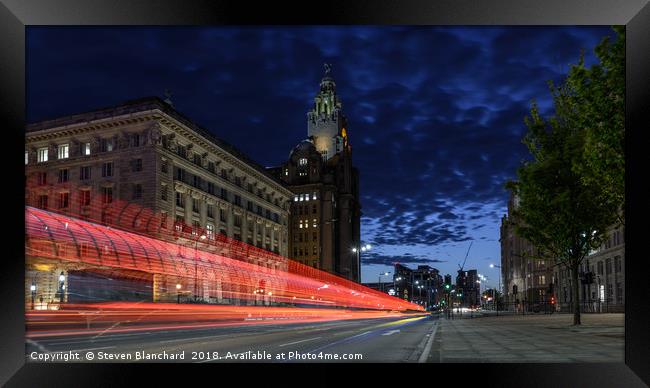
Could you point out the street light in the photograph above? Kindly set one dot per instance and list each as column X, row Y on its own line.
column 196, row 267
column 495, row 299
column 358, row 249
column 178, row 293
column 32, row 288
column 380, row 283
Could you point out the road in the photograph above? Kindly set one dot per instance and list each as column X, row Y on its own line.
column 403, row 339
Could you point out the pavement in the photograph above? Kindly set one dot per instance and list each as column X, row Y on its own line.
column 430, row 338
column 531, row 338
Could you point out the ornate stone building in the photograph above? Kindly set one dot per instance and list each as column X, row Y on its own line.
column 527, row 277
column 145, row 153
column 325, row 211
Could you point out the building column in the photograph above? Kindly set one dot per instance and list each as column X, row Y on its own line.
column 188, row 208
column 229, row 221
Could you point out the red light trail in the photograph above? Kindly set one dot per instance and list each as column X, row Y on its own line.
column 234, row 274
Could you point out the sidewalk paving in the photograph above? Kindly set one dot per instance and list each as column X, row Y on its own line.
column 530, row 338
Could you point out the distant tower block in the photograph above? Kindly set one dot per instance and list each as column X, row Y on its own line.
column 325, row 121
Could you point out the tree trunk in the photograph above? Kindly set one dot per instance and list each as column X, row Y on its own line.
column 576, row 294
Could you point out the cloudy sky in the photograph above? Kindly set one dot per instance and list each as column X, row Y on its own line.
column 435, row 113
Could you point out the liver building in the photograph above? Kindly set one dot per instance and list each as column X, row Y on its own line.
column 324, row 225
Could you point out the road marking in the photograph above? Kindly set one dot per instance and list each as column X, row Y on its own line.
column 427, row 348
column 391, row 332
column 359, row 335
column 297, row 342
column 194, row 338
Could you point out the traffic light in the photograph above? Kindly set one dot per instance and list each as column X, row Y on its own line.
column 552, row 300
column 447, row 286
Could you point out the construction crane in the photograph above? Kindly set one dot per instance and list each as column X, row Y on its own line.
column 467, row 254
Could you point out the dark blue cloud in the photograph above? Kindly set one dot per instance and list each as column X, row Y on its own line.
column 436, row 113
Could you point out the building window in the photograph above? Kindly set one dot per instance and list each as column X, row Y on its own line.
column 42, row 154
column 600, row 267
column 211, row 167
column 619, row 293
column 85, row 149
column 180, row 200
column 302, row 161
column 164, row 167
column 222, row 215
column 63, row 175
column 238, row 181
column 315, row 223
column 42, row 178
column 182, row 151
column 196, row 226
column 224, row 194
column 137, row 191
column 195, row 205
column 210, row 188
column 63, row 200
column 249, row 206
column 197, row 159
column 617, row 264
column 163, row 220
column 315, row 250
column 84, row 197
column 237, row 200
column 26, row 157
column 107, row 195
column 163, row 192
column 42, row 201
column 314, row 236
column 107, row 145
column 196, row 181
column 295, row 198
column 137, row 165
column 64, row 151
column 608, row 266
column 313, row 209
column 107, row 169
column 300, row 224
column 85, row 173
column 237, row 220
column 211, row 211
column 178, row 224
column 209, row 229
column 135, row 140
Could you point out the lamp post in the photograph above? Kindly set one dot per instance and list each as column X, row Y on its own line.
column 178, row 293
column 495, row 300
column 397, row 279
column 196, row 267
column 416, row 282
column 380, row 283
column 361, row 247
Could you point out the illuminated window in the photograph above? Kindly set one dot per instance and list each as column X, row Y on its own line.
column 302, row 162
column 313, row 196
column 42, row 154
column 209, row 228
column 286, row 171
column 64, row 151
column 26, row 157
column 300, row 224
column 85, row 148
column 315, row 223
column 295, row 198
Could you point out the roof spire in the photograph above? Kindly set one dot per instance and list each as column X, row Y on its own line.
column 328, row 68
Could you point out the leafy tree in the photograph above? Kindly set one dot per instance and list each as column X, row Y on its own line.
column 597, row 98
column 572, row 190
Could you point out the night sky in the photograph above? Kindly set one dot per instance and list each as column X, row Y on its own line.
column 435, row 113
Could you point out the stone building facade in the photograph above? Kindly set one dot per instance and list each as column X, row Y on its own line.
column 526, row 276
column 325, row 211
column 604, row 289
column 145, row 153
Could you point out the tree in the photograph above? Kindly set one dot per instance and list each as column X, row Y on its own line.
column 562, row 214
column 597, row 98
column 572, row 190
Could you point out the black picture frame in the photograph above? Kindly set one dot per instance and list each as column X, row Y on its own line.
column 15, row 15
